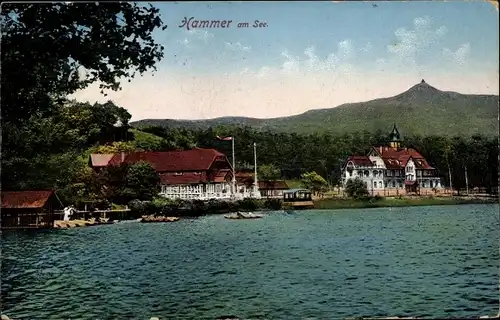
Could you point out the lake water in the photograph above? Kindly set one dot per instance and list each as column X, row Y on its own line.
column 416, row 261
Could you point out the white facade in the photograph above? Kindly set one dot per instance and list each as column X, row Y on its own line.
column 372, row 176
column 217, row 191
column 197, row 191
column 377, row 177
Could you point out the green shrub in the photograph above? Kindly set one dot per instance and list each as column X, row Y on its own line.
column 273, row 204
column 356, row 188
column 247, row 204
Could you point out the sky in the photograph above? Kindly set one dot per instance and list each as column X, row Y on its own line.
column 309, row 55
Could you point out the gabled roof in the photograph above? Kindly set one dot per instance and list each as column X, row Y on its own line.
column 398, row 158
column 360, row 161
column 221, row 175
column 197, row 159
column 25, row 199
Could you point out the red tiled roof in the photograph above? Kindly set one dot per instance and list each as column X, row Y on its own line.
column 100, row 160
column 185, row 178
column 25, row 199
column 360, row 160
column 240, row 174
column 273, row 185
column 422, row 164
column 173, row 161
column 221, row 175
column 398, row 158
column 244, row 177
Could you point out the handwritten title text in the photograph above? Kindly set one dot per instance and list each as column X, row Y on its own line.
column 191, row 23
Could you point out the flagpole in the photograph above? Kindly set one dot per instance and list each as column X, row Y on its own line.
column 234, row 170
column 256, row 184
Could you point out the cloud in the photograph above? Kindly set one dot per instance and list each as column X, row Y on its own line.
column 310, row 62
column 345, row 48
column 411, row 43
column 185, row 42
column 200, row 34
column 460, row 55
column 236, row 47
column 367, row 47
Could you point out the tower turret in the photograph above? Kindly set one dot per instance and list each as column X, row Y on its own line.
column 395, row 138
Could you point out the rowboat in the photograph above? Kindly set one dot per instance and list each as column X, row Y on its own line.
column 240, row 215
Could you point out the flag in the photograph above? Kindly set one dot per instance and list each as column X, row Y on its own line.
column 225, row 138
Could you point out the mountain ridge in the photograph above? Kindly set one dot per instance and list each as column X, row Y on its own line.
column 422, row 109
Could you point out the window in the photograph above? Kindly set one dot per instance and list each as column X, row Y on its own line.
column 393, row 184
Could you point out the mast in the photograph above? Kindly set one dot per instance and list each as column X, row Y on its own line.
column 255, row 183
column 466, row 181
column 234, row 170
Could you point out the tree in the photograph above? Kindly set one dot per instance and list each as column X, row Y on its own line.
column 314, row 182
column 114, row 147
column 126, row 182
column 45, row 48
column 268, row 172
column 28, row 150
column 52, row 50
column 141, row 182
column 356, row 188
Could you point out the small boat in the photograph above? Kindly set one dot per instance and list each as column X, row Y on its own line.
column 150, row 219
column 128, row 221
column 240, row 215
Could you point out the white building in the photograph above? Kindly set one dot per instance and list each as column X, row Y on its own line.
column 392, row 168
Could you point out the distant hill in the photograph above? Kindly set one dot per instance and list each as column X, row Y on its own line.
column 422, row 109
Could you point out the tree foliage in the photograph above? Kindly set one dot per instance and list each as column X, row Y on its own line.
column 55, row 49
column 44, row 153
column 45, row 48
column 123, row 183
column 268, row 172
column 314, row 182
column 356, row 188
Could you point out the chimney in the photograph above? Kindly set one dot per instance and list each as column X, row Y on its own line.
column 380, row 148
column 123, row 156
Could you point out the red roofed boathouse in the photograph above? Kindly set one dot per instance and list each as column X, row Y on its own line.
column 28, row 209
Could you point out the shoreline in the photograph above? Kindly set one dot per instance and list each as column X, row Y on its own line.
column 346, row 203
